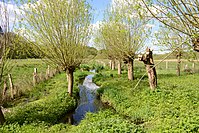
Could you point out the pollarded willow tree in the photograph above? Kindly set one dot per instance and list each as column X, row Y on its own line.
column 102, row 38
column 110, row 35
column 60, row 30
column 181, row 15
column 174, row 41
column 124, row 32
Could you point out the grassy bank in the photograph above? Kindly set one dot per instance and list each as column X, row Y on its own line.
column 43, row 106
column 173, row 107
column 105, row 121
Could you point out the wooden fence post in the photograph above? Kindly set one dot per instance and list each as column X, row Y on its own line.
column 193, row 67
column 185, row 67
column 5, row 88
column 11, row 86
column 35, row 80
column 41, row 77
column 48, row 72
column 167, row 65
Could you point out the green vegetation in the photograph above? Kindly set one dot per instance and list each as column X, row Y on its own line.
column 172, row 107
column 105, row 122
column 53, row 102
column 40, row 108
column 59, row 32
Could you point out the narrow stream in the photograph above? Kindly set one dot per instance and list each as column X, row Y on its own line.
column 88, row 102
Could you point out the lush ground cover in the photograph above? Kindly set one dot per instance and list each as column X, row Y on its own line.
column 23, row 69
column 172, row 107
column 105, row 121
column 41, row 108
column 22, row 74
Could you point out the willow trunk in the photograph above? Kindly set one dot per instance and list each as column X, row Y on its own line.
column 70, row 82
column 2, row 118
column 113, row 65
column 152, row 76
column 178, row 65
column 119, row 68
column 130, row 69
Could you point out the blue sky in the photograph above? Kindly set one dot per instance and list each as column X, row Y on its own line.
column 99, row 6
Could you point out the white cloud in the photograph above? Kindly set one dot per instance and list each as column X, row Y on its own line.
column 96, row 25
column 9, row 13
column 149, row 25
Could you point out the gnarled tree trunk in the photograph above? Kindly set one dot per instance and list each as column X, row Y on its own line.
column 130, row 69
column 147, row 58
column 152, row 76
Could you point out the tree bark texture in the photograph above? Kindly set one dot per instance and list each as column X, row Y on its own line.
column 195, row 42
column 70, row 81
column 147, row 58
column 11, row 86
column 119, row 68
column 130, row 69
column 178, row 65
column 152, row 76
column 2, row 118
column 113, row 65
column 110, row 64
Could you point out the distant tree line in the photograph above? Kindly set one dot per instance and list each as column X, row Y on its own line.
column 20, row 48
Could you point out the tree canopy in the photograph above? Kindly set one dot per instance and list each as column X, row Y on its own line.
column 60, row 30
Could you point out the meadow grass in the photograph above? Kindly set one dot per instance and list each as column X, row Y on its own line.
column 172, row 107
column 41, row 107
column 23, row 69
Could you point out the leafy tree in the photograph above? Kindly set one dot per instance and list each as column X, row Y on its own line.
column 173, row 41
column 108, row 35
column 60, row 31
column 20, row 48
column 91, row 52
column 181, row 15
column 124, row 32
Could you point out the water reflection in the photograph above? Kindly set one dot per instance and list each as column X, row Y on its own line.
column 88, row 101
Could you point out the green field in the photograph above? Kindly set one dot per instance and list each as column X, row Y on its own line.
column 172, row 107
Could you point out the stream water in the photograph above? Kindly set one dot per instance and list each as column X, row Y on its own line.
column 88, row 102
